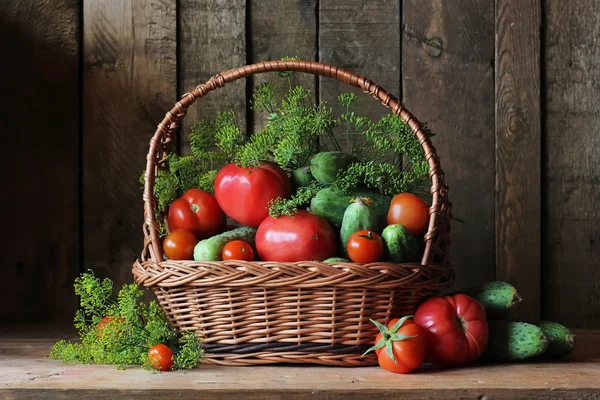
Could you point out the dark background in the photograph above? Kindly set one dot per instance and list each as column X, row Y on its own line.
column 510, row 87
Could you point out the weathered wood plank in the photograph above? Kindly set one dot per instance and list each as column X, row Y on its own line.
column 518, row 150
column 39, row 202
column 212, row 39
column 571, row 237
column 26, row 372
column 282, row 29
column 448, row 83
column 363, row 37
column 129, row 82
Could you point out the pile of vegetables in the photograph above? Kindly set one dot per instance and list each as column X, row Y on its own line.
column 309, row 186
column 455, row 330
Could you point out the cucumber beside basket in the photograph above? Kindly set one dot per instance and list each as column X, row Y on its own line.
column 251, row 313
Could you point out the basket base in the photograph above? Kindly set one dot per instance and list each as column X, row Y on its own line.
column 276, row 353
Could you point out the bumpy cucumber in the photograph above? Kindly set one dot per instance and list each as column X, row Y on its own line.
column 336, row 260
column 325, row 166
column 497, row 297
column 513, row 340
column 301, row 177
column 400, row 244
column 210, row 249
column 562, row 341
column 358, row 216
column 332, row 205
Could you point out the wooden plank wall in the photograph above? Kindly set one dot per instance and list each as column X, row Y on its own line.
column 510, row 88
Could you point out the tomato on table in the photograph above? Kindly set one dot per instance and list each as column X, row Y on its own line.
column 197, row 212
column 160, row 357
column 409, row 210
column 401, row 347
column 179, row 245
column 244, row 193
column 365, row 247
column 238, row 250
column 457, row 329
column 303, row 237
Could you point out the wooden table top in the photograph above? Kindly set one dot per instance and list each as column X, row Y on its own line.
column 26, row 372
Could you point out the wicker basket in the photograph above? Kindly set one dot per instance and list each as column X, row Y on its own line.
column 251, row 313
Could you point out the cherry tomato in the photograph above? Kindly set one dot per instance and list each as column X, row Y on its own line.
column 160, row 357
column 244, row 193
column 409, row 210
column 198, row 212
column 365, row 247
column 303, row 237
column 457, row 329
column 408, row 345
column 238, row 250
column 179, row 245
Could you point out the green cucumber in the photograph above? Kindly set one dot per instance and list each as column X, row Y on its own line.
column 497, row 297
column 325, row 166
column 301, row 177
column 210, row 249
column 331, row 205
column 400, row 245
column 358, row 216
column 336, row 260
column 562, row 341
column 514, row 340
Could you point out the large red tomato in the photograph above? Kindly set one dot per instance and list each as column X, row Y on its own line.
column 244, row 193
column 303, row 237
column 198, row 212
column 457, row 330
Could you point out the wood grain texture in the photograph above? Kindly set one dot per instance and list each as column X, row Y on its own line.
column 571, row 238
column 27, row 373
column 363, row 37
column 211, row 39
column 518, row 150
column 448, row 83
column 282, row 29
column 40, row 111
column 129, row 82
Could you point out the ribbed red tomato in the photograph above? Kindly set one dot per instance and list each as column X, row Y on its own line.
column 303, row 237
column 198, row 212
column 244, row 193
column 457, row 329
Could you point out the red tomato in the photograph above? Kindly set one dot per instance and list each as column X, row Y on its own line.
column 457, row 330
column 244, row 193
column 160, row 357
column 409, row 210
column 238, row 250
column 365, row 247
column 179, row 245
column 408, row 350
column 303, row 237
column 198, row 212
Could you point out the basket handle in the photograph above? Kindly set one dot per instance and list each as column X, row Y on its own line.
column 164, row 134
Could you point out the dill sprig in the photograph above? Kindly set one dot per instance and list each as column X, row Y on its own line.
column 132, row 329
column 302, row 197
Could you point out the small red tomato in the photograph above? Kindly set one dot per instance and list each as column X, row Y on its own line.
column 179, row 245
column 238, row 250
column 365, row 247
column 160, row 357
column 457, row 329
column 198, row 212
column 401, row 347
column 409, row 210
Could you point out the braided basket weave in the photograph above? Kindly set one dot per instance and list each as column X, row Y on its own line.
column 250, row 313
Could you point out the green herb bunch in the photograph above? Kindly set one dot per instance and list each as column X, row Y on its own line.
column 132, row 328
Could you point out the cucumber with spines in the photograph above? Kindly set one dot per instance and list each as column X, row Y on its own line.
column 497, row 297
column 515, row 340
column 400, row 245
column 337, row 260
column 562, row 341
